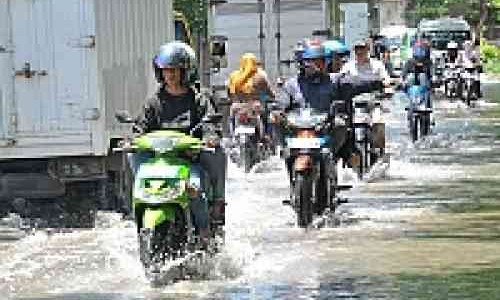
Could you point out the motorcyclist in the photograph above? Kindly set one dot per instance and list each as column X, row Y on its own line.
column 469, row 53
column 175, row 71
column 344, row 93
column 336, row 55
column 386, row 59
column 420, row 68
column 364, row 69
column 379, row 47
column 312, row 87
column 366, row 75
column 250, row 85
column 471, row 57
column 453, row 62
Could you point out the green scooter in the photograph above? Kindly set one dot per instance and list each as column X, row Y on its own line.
column 164, row 185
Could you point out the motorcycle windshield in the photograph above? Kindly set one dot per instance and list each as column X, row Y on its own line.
column 162, row 170
column 166, row 140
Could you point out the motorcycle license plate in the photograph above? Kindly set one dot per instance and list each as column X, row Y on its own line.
column 244, row 130
column 362, row 119
column 304, row 143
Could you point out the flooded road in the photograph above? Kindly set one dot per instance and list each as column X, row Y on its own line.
column 427, row 227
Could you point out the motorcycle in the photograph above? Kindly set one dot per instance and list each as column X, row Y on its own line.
column 247, row 147
column 438, row 73
column 418, row 112
column 165, row 185
column 369, row 130
column 469, row 77
column 451, row 80
column 367, row 125
column 311, row 164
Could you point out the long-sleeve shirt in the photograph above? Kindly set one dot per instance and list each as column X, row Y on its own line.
column 411, row 66
column 373, row 70
column 316, row 93
column 165, row 107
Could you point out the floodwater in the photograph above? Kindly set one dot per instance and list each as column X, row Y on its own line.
column 425, row 227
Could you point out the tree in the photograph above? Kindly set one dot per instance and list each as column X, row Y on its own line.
column 195, row 11
column 469, row 9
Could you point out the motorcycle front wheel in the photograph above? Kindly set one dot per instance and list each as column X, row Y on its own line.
column 303, row 193
column 162, row 243
column 414, row 127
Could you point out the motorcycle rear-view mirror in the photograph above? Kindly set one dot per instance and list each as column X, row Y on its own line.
column 213, row 118
column 124, row 116
column 287, row 62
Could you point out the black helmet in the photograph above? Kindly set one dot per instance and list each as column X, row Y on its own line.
column 176, row 55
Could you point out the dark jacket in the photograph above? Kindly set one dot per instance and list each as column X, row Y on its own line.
column 165, row 107
column 411, row 66
column 316, row 93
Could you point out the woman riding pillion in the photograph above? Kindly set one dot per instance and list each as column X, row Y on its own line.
column 175, row 71
column 249, row 86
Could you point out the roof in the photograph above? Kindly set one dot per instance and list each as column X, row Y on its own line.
column 393, row 30
column 444, row 24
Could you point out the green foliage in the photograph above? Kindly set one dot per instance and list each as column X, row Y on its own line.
column 195, row 11
column 489, row 51
column 436, row 8
column 491, row 55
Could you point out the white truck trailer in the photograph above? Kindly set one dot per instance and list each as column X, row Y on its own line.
column 66, row 67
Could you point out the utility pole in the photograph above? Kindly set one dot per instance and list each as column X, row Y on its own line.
column 326, row 14
column 202, row 37
column 261, row 36
column 270, row 33
column 482, row 18
column 333, row 17
column 373, row 18
column 277, row 9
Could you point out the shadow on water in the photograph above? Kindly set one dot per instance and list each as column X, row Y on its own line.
column 480, row 284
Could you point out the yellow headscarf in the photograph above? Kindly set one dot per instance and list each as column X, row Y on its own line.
column 239, row 81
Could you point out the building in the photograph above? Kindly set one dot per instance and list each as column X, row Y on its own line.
column 391, row 12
